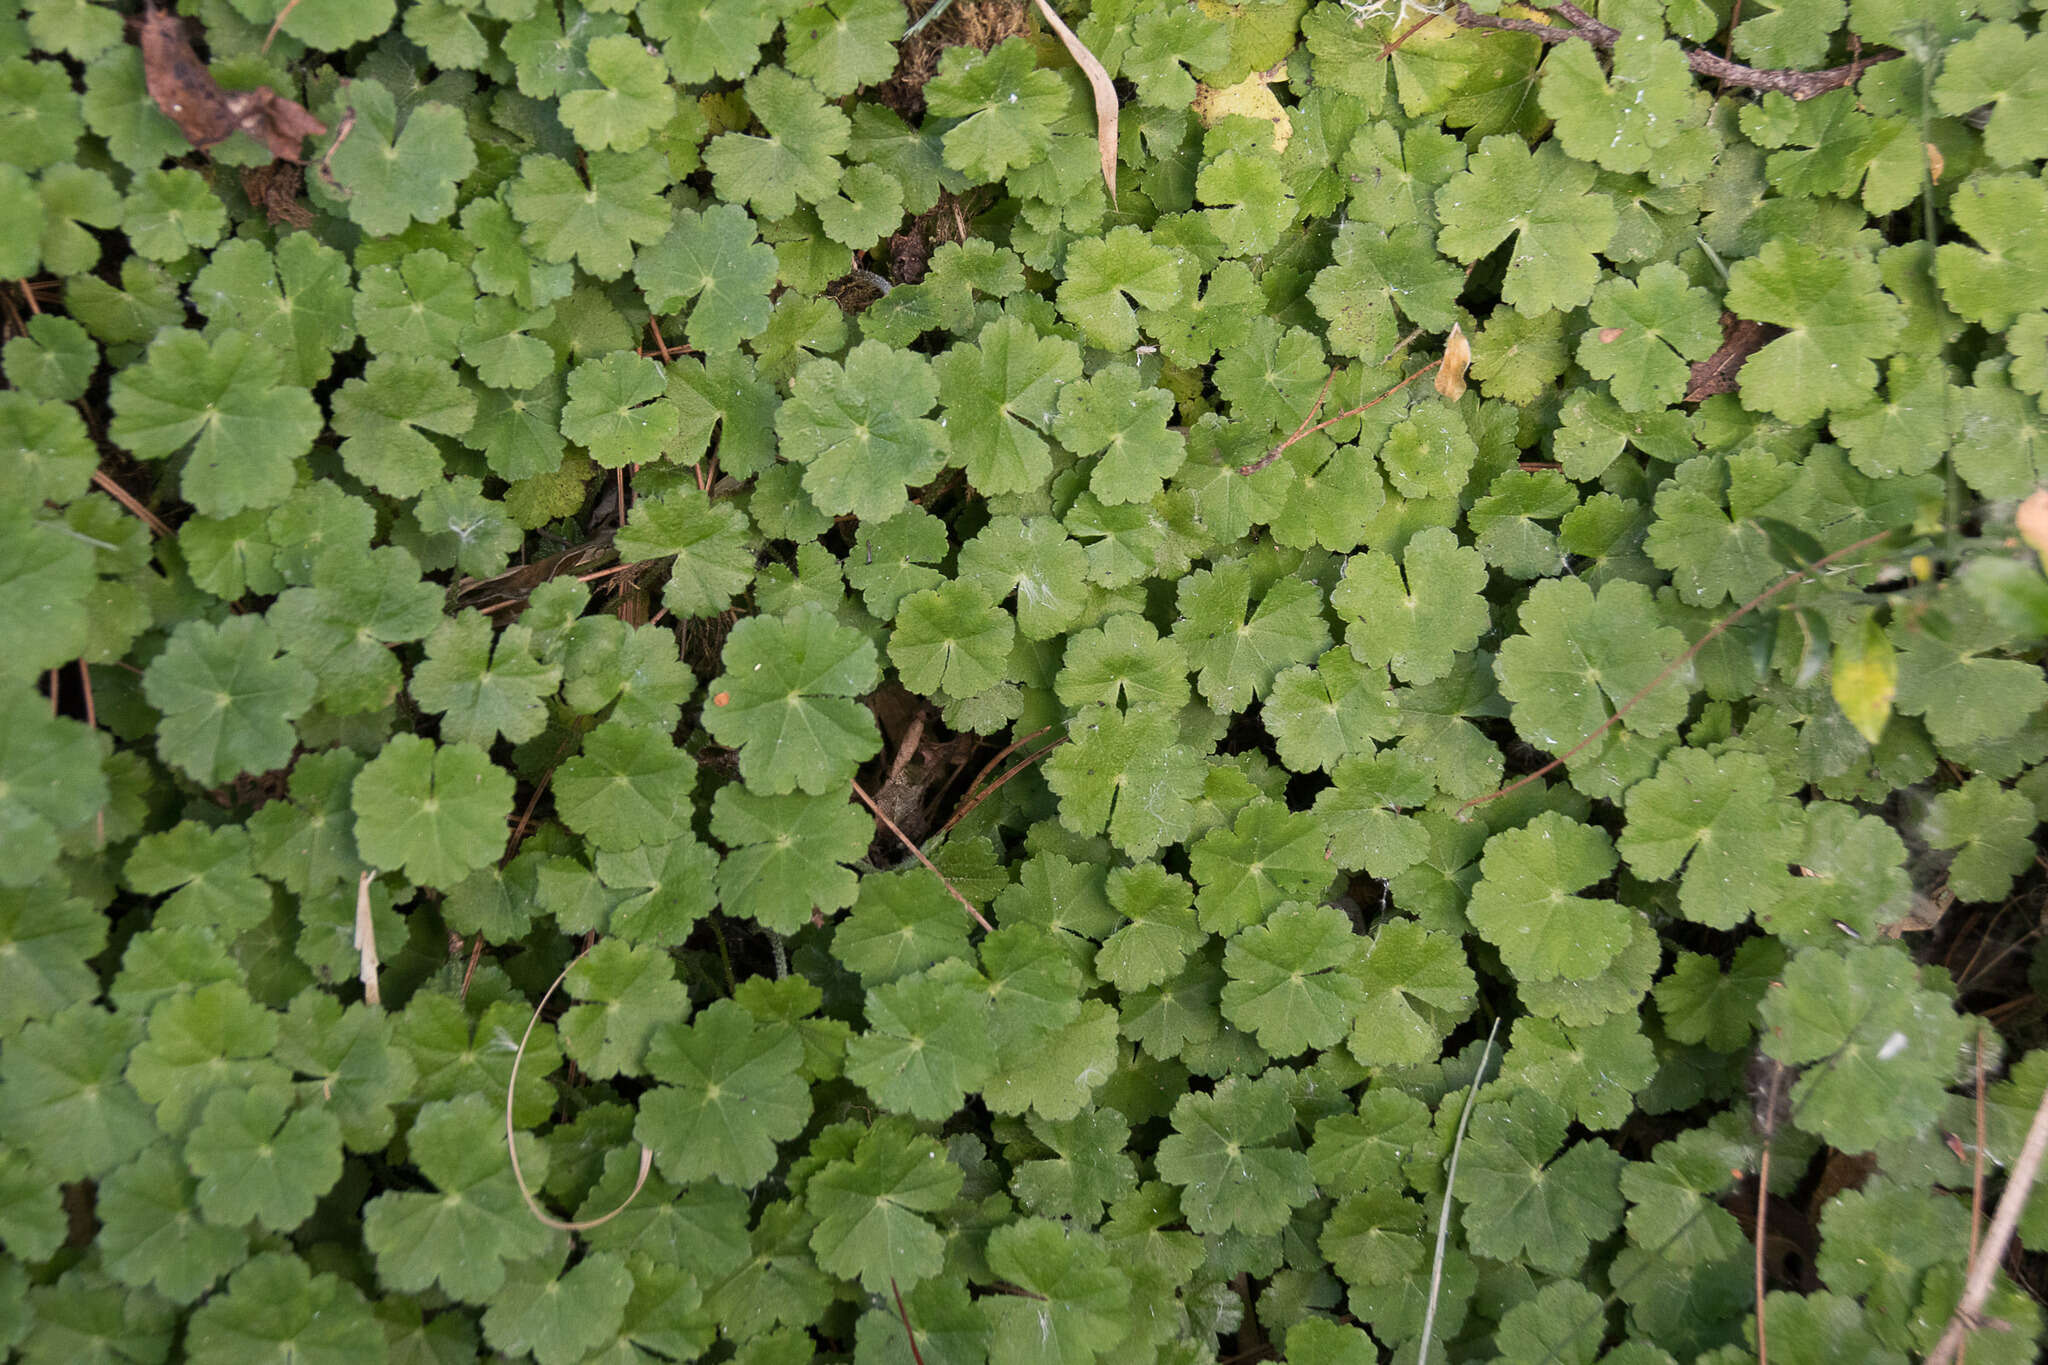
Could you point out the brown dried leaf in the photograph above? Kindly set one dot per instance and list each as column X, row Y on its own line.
column 274, row 187
column 1450, row 375
column 207, row 115
column 276, row 122
column 2031, row 520
column 1740, row 339
column 1105, row 94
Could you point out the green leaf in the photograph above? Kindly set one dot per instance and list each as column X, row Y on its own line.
column 617, row 410
column 1865, row 1017
column 788, row 684
column 1621, row 124
column 2000, row 66
column 1547, row 203
column 710, row 542
column 730, row 1092
column 630, row 786
column 437, row 812
column 385, row 416
column 482, row 686
column 1992, row 827
column 784, row 855
column 47, row 939
column 1129, row 776
column 459, row 524
column 1719, row 818
column 170, row 213
column 359, row 602
column 1088, row 1169
column 228, row 699
column 951, row 639
column 1225, row 1153
column 1318, row 717
column 1115, row 417
column 598, row 223
column 417, row 306
column 1647, row 330
column 1270, row 855
column 558, row 1316
column 1077, row 1295
column 706, row 38
column 1033, row 559
column 715, row 262
column 259, row 1159
column 1524, row 903
column 222, row 404
column 201, row 1043
column 630, row 991
column 53, row 359
column 1160, row 931
column 297, row 303
column 45, row 576
column 860, row 431
column 151, row 1233
column 1963, row 697
column 1290, row 981
column 632, row 101
column 1418, row 987
column 926, row 1045
column 1837, row 321
column 464, row 1235
column 209, row 873
column 999, row 395
column 1106, row 274
column 842, row 45
column 1237, row 649
column 1595, row 1071
column 1124, row 663
column 1416, row 627
column 1002, row 106
column 868, row 1208
column 1582, row 656
column 66, row 1104
column 394, row 170
column 1375, row 279
column 276, row 1307
column 1522, row 1200
column 794, row 160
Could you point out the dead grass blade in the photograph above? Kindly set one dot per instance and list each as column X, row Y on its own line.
column 1105, row 94
column 366, row 941
column 1443, row 1223
column 533, row 1207
column 930, row 866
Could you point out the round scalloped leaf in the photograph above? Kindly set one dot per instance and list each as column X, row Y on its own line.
column 436, row 812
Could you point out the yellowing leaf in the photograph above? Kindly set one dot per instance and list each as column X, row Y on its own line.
column 1866, row 678
column 1252, row 97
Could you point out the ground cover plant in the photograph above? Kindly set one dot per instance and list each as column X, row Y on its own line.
column 692, row 679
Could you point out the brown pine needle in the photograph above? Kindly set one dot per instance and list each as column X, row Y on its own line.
column 916, row 1356
column 930, row 866
column 105, row 483
column 1300, row 432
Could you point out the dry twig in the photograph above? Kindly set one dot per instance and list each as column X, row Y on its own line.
column 1984, row 1266
column 930, row 866
column 1800, row 85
